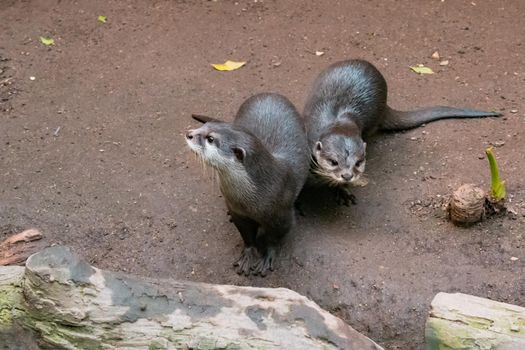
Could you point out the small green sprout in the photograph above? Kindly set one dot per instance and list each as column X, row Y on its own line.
column 497, row 188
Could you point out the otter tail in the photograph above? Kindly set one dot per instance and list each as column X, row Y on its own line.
column 399, row 120
column 203, row 118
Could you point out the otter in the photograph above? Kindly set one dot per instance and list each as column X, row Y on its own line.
column 348, row 103
column 262, row 162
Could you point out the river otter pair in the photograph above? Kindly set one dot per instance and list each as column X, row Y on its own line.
column 263, row 157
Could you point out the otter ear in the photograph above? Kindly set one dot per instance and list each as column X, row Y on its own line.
column 240, row 153
column 318, row 146
column 364, row 145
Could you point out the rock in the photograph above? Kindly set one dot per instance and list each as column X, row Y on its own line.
column 460, row 321
column 498, row 143
column 67, row 304
column 16, row 248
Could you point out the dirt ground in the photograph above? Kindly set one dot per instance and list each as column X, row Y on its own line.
column 92, row 150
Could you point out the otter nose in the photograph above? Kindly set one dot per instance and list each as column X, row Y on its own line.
column 347, row 176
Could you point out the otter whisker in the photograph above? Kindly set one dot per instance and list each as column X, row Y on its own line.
column 325, row 178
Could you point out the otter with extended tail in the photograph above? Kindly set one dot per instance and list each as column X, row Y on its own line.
column 348, row 101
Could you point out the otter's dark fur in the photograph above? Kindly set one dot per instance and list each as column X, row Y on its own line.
column 262, row 160
column 348, row 102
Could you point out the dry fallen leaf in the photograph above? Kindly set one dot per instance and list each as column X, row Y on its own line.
column 420, row 69
column 102, row 19
column 47, row 41
column 228, row 65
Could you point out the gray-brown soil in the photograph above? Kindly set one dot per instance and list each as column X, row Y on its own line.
column 92, row 150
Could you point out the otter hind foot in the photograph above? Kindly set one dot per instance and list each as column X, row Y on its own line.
column 265, row 263
column 343, row 196
column 245, row 262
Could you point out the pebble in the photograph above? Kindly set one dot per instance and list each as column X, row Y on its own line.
column 513, row 258
column 498, row 143
column 32, row 78
column 443, row 63
column 513, row 111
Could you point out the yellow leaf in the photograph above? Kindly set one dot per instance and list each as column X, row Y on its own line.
column 102, row 19
column 422, row 70
column 228, row 65
column 47, row 41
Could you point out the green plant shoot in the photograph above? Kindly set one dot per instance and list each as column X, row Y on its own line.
column 497, row 188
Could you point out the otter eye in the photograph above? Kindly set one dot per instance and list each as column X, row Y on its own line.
column 210, row 139
column 333, row 162
column 358, row 163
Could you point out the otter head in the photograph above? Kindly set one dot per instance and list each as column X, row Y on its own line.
column 218, row 145
column 339, row 159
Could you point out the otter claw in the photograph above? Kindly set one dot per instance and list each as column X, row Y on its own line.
column 264, row 264
column 246, row 261
column 343, row 196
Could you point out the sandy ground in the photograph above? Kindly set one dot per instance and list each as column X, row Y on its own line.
column 92, row 150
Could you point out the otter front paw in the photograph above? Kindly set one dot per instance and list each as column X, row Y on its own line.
column 265, row 263
column 344, row 196
column 245, row 262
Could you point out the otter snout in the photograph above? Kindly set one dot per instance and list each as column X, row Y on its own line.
column 195, row 141
column 194, row 137
column 192, row 133
column 348, row 177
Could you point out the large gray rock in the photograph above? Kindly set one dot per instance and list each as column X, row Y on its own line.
column 68, row 304
column 460, row 322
